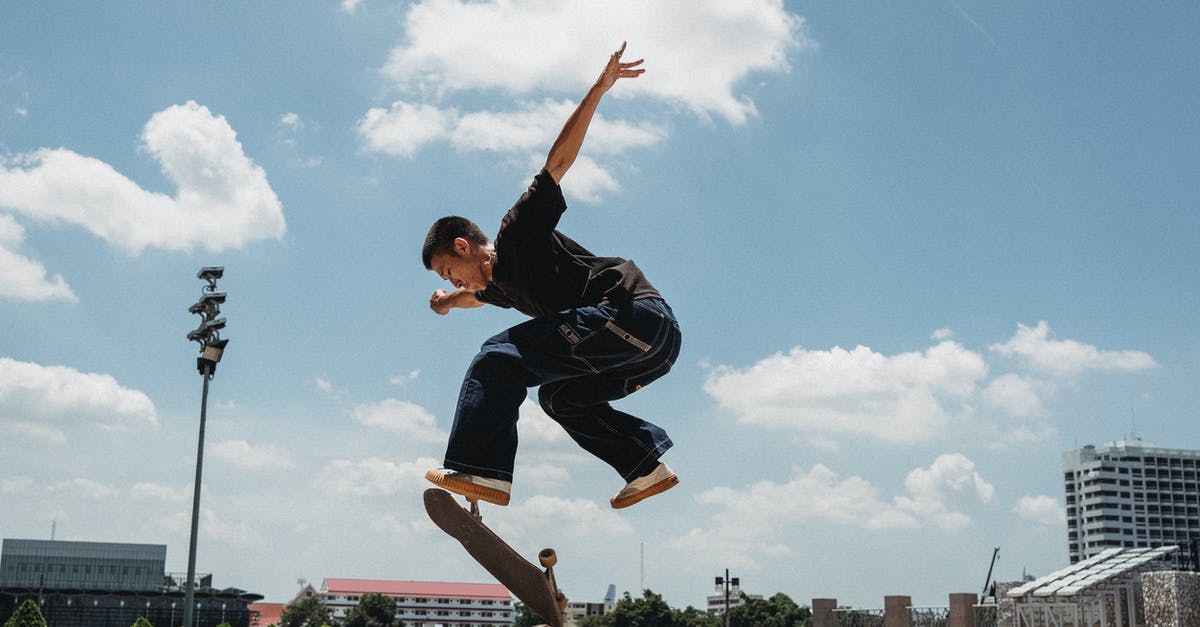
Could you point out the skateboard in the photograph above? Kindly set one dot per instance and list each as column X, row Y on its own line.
column 533, row 586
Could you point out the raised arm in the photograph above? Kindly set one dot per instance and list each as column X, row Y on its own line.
column 570, row 139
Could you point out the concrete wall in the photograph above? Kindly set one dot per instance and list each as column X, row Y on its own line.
column 1172, row 599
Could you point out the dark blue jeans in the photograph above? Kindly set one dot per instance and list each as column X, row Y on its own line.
column 582, row 359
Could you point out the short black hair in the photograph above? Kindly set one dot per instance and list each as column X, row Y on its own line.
column 441, row 236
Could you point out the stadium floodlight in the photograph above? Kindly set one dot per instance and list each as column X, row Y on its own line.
column 212, row 347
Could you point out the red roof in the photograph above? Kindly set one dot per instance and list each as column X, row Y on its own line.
column 268, row 613
column 417, row 588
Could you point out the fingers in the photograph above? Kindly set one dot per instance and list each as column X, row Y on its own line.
column 627, row 69
column 622, row 69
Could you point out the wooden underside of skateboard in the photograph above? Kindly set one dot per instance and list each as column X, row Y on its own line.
column 533, row 586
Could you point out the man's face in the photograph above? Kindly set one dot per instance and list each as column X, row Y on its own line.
column 465, row 268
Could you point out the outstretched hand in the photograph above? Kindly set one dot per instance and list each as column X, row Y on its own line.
column 619, row 69
column 570, row 139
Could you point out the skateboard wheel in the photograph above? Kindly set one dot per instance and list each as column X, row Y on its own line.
column 548, row 558
column 561, row 601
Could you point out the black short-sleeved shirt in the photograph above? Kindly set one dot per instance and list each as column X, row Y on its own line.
column 539, row 271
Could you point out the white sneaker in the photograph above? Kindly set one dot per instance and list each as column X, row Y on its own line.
column 658, row 481
column 473, row 487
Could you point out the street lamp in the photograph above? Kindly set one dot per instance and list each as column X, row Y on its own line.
column 726, row 582
column 208, row 335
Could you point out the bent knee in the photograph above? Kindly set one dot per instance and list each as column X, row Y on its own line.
column 546, row 398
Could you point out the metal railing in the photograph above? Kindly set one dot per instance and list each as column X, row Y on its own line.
column 986, row 614
column 929, row 616
column 858, row 618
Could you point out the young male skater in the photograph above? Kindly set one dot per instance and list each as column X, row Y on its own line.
column 599, row 332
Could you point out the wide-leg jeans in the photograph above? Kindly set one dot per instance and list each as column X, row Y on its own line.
column 582, row 358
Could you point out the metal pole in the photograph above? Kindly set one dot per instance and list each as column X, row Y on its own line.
column 726, row 597
column 189, row 601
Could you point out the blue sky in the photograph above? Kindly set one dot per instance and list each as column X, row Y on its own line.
column 917, row 252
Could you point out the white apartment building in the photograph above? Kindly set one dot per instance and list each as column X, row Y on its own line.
column 426, row 603
column 1132, row 494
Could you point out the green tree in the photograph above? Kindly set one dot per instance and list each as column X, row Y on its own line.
column 307, row 612
column 142, row 621
column 778, row 611
column 692, row 617
column 27, row 615
column 526, row 617
column 373, row 610
column 648, row 611
column 604, row 620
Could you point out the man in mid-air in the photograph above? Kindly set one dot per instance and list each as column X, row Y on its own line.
column 599, row 332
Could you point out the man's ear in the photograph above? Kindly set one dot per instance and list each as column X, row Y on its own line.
column 462, row 247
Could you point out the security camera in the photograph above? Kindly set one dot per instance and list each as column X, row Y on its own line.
column 210, row 273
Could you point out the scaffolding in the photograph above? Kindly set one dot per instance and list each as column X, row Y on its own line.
column 1101, row 591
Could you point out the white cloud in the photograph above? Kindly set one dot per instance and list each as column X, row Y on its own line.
column 934, row 490
column 403, row 129
column 325, row 386
column 1017, row 396
column 23, row 278
column 1067, row 357
column 542, row 476
column 752, row 525
column 900, row 398
column 223, row 200
column 818, row 495
column 1041, row 509
column 17, row 486
column 408, row 419
column 291, row 120
column 576, row 518
column 50, row 400
column 372, row 476
column 242, row 454
column 81, row 488
column 749, row 525
column 913, row 396
column 402, row 379
column 350, row 6
column 535, row 426
column 454, row 45
column 149, row 491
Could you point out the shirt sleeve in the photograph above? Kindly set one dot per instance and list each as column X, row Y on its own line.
column 493, row 295
column 538, row 210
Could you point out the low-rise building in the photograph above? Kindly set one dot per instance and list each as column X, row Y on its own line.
column 108, row 584
column 427, row 603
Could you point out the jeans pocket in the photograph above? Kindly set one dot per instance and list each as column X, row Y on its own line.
column 607, row 347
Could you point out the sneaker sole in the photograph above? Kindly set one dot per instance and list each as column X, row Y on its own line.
column 641, row 495
column 468, row 489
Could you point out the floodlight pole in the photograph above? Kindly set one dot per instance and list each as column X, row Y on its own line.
column 211, row 348
column 189, row 601
column 725, row 582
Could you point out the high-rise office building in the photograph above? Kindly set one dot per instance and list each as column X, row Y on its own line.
column 1132, row 493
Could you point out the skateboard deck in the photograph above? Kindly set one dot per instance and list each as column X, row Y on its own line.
column 534, row 587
